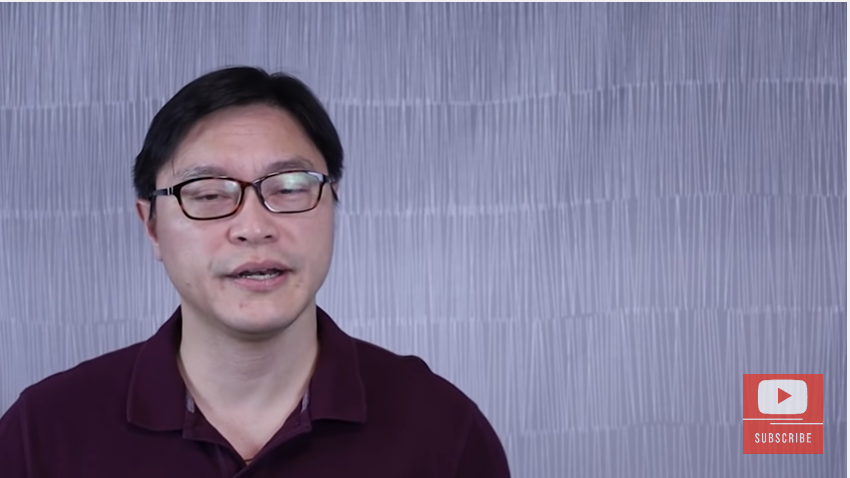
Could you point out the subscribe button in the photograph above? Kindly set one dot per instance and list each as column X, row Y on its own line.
column 783, row 414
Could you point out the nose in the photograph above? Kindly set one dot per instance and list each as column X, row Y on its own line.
column 252, row 224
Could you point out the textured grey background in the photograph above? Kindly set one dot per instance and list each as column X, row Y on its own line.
column 592, row 218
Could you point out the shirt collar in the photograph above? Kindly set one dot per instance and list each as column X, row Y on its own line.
column 157, row 398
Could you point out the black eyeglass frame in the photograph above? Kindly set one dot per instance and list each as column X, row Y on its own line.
column 256, row 184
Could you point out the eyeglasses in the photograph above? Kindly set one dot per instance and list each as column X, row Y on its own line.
column 209, row 198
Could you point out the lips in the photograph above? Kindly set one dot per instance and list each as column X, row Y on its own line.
column 258, row 270
column 260, row 277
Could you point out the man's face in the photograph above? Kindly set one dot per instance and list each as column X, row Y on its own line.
column 201, row 257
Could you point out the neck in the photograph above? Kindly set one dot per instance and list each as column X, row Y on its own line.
column 226, row 372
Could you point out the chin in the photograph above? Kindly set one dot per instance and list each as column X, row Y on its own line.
column 262, row 319
column 258, row 325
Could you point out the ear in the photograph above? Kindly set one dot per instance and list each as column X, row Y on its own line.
column 143, row 210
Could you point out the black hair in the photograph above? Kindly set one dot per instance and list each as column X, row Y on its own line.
column 225, row 88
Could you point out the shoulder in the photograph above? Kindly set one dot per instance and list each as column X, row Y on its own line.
column 406, row 397
column 403, row 389
column 408, row 377
column 89, row 385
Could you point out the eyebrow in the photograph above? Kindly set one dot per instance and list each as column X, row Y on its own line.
column 294, row 163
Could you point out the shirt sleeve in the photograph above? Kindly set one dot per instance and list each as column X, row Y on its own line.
column 14, row 449
column 483, row 456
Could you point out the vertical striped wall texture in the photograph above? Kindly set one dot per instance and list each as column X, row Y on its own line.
column 592, row 218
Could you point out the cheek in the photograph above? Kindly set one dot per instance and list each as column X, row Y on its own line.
column 318, row 238
column 185, row 253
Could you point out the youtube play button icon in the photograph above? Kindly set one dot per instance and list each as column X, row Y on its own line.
column 782, row 397
column 783, row 414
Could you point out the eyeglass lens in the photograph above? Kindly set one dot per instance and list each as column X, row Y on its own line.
column 285, row 192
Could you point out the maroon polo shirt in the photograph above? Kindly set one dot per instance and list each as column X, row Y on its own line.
column 368, row 413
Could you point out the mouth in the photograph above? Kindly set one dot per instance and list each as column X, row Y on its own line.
column 260, row 275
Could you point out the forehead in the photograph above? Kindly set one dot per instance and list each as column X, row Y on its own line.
column 244, row 142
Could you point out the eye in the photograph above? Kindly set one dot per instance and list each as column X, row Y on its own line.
column 292, row 184
column 293, row 190
column 207, row 197
column 210, row 190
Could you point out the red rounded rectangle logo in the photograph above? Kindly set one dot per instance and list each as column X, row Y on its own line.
column 783, row 414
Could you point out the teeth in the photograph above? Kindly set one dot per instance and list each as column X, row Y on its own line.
column 261, row 275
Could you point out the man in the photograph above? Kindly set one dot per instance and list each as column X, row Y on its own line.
column 237, row 182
